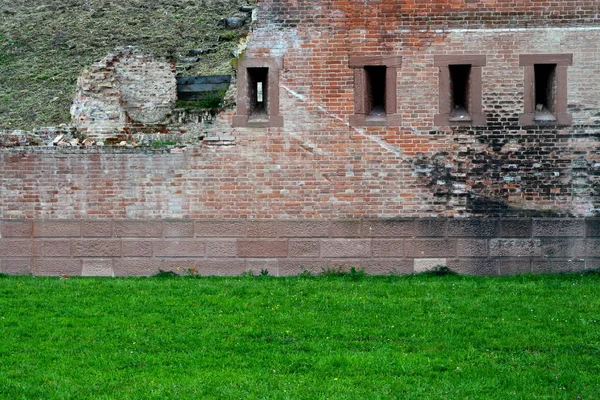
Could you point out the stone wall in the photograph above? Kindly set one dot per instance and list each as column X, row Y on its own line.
column 233, row 247
column 322, row 167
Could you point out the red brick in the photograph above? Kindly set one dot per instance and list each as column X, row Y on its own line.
column 262, row 248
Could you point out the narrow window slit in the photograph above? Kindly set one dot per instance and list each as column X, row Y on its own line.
column 545, row 91
column 460, row 76
column 376, row 84
column 258, row 89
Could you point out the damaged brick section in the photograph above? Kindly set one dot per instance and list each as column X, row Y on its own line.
column 518, row 172
column 124, row 88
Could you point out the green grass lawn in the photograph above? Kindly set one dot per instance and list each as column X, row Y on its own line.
column 415, row 337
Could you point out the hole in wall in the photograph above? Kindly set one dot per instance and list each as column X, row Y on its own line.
column 376, row 83
column 258, row 89
column 460, row 76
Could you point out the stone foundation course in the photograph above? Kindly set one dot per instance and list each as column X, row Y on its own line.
column 289, row 247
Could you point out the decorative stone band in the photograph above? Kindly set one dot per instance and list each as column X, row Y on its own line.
column 289, row 247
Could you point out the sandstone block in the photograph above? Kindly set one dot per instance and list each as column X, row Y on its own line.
column 293, row 267
column 391, row 228
column 472, row 247
column 221, row 248
column 262, row 248
column 556, row 266
column 304, row 248
column 178, row 248
column 550, row 227
column 344, row 229
column 137, row 248
column 256, row 266
column 481, row 266
column 138, row 229
column 15, row 266
column 53, row 229
column 472, row 227
column 516, row 228
column 262, row 229
column 221, row 267
column 16, row 248
column 97, row 267
column 430, row 227
column 515, row 247
column 220, row 228
column 430, row 248
column 388, row 248
column 136, row 266
column 52, row 248
column 96, row 229
column 15, row 229
column 57, row 267
column 387, row 266
column 173, row 229
column 345, row 248
column 513, row 266
column 96, row 248
column 310, row 229
column 428, row 264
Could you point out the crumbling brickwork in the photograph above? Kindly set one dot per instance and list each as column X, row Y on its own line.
column 321, row 167
column 125, row 88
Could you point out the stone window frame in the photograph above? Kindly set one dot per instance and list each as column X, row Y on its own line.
column 243, row 117
column 392, row 64
column 475, row 94
column 562, row 62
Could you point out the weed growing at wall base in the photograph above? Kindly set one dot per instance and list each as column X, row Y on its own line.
column 414, row 337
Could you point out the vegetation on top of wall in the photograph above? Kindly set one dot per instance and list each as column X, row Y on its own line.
column 46, row 44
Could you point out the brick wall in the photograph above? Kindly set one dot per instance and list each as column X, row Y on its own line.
column 232, row 247
column 317, row 167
